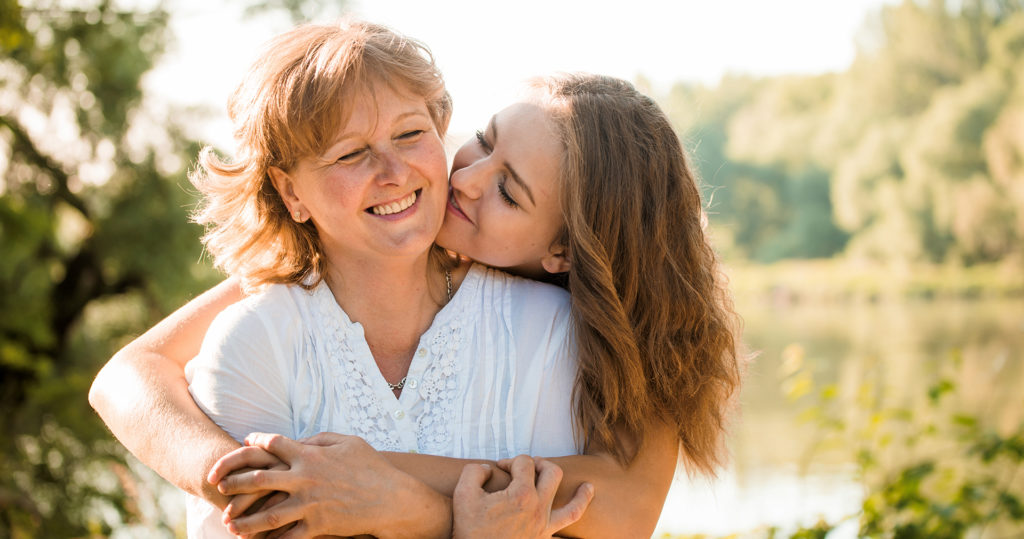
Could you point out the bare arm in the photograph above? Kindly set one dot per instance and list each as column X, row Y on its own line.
column 628, row 499
column 627, row 502
column 142, row 396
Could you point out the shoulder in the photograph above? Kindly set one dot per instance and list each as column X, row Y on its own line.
column 536, row 315
column 273, row 311
column 526, row 295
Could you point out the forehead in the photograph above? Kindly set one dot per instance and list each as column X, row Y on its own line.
column 377, row 104
column 528, row 140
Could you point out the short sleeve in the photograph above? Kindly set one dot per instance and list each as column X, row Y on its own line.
column 553, row 431
column 541, row 316
column 240, row 378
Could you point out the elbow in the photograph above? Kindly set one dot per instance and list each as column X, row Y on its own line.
column 104, row 389
column 97, row 392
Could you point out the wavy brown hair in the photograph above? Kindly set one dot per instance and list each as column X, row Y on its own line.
column 290, row 105
column 656, row 333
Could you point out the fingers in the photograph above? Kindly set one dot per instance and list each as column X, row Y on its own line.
column 523, row 472
column 505, row 465
column 299, row 530
column 325, row 439
column 265, row 519
column 282, row 447
column 549, row 476
column 472, row 480
column 256, row 481
column 572, row 511
column 243, row 503
column 243, row 457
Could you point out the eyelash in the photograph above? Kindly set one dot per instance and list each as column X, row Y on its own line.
column 405, row 136
column 349, row 157
column 504, row 194
column 482, row 141
column 501, row 184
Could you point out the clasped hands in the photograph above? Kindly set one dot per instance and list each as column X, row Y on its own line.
column 334, row 484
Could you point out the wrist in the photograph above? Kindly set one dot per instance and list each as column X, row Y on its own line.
column 416, row 510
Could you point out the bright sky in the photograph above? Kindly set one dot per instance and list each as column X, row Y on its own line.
column 486, row 49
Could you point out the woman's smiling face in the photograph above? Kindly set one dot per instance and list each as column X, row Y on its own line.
column 503, row 205
column 379, row 189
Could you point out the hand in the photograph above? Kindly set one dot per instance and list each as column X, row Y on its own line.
column 523, row 510
column 335, row 484
column 241, row 460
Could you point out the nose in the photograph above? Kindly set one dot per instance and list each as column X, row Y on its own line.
column 393, row 169
column 468, row 180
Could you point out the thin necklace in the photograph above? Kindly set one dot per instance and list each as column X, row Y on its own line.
column 448, row 283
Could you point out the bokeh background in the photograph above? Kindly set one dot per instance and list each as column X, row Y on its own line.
column 863, row 167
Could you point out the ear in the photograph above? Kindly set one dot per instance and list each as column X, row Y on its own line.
column 556, row 261
column 285, row 186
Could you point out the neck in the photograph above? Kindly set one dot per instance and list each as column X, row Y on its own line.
column 395, row 300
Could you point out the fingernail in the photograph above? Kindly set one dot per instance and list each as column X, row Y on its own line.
column 589, row 489
column 485, row 466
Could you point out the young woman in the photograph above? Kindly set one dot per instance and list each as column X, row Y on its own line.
column 653, row 329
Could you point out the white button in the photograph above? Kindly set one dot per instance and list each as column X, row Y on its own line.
column 422, row 352
column 411, row 384
column 398, row 414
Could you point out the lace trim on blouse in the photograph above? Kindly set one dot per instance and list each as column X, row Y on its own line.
column 348, row 373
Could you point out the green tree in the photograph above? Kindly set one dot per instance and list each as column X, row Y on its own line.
column 913, row 154
column 96, row 245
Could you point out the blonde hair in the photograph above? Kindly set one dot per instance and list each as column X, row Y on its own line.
column 656, row 333
column 290, row 105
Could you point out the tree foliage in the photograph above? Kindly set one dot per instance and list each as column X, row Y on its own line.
column 915, row 153
column 96, row 245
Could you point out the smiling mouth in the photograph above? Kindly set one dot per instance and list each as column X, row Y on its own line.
column 395, row 207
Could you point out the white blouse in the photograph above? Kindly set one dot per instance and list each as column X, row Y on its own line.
column 492, row 376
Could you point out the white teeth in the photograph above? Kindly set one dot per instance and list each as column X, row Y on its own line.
column 395, row 207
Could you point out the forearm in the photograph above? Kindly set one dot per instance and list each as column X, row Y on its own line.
column 442, row 473
column 142, row 396
column 627, row 501
column 425, row 513
column 144, row 400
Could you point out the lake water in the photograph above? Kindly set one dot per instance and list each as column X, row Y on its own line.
column 780, row 474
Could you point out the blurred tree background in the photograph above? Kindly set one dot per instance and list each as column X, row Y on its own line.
column 96, row 247
column 912, row 157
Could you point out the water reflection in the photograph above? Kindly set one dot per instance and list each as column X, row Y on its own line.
column 782, row 473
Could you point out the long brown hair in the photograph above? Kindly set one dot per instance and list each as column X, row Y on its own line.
column 290, row 104
column 654, row 324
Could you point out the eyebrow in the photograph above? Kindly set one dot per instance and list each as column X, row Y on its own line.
column 512, row 172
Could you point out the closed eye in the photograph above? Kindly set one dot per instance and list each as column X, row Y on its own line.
column 352, row 157
column 482, row 141
column 503, row 192
column 409, row 135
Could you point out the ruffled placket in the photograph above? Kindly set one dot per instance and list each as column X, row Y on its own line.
column 358, row 396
